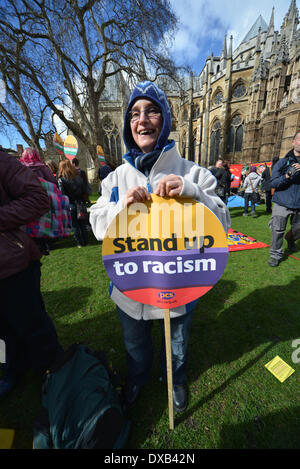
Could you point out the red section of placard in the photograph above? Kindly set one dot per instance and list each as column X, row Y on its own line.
column 167, row 299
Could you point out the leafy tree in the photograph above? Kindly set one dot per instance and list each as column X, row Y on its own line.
column 56, row 57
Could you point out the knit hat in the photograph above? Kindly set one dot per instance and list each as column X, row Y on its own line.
column 148, row 90
column 30, row 157
column 252, row 169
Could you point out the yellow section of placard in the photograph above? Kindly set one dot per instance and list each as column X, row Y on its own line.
column 181, row 223
column 6, row 438
column 100, row 151
column 279, row 369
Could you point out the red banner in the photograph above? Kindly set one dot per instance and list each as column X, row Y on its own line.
column 236, row 170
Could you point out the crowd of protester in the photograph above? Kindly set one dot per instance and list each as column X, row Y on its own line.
column 152, row 165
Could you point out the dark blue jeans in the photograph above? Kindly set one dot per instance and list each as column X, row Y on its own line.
column 139, row 347
column 248, row 199
column 27, row 330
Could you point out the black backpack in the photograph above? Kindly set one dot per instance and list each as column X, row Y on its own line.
column 81, row 404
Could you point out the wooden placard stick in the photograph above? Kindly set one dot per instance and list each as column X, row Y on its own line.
column 169, row 366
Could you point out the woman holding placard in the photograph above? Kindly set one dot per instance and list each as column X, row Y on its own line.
column 152, row 165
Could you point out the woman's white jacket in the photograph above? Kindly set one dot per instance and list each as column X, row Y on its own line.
column 198, row 184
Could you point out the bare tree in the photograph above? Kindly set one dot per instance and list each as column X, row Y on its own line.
column 56, row 57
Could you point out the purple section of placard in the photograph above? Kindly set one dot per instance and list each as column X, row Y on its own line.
column 178, row 269
column 187, row 252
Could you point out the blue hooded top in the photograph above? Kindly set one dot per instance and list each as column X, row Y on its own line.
column 147, row 90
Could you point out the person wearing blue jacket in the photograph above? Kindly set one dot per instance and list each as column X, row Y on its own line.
column 286, row 182
column 152, row 165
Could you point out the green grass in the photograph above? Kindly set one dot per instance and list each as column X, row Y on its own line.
column 249, row 317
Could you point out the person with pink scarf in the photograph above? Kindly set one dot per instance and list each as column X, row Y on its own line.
column 31, row 159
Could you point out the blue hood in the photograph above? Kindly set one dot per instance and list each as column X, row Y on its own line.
column 148, row 90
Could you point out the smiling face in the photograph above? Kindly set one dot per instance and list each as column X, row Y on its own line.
column 146, row 129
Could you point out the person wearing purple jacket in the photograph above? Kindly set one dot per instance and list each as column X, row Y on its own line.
column 26, row 331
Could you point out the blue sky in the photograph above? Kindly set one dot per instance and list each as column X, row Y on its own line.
column 203, row 25
column 202, row 28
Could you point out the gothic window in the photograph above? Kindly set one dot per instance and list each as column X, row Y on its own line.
column 196, row 111
column 185, row 115
column 218, row 98
column 235, row 135
column 287, row 83
column 174, row 112
column 112, row 142
column 214, row 143
column 239, row 138
column 193, row 156
column 239, row 91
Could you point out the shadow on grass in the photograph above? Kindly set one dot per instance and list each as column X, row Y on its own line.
column 221, row 333
column 278, row 430
column 236, row 212
column 223, row 336
column 67, row 300
column 70, row 242
column 219, row 336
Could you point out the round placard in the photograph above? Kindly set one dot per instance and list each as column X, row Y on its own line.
column 100, row 154
column 70, row 147
column 58, row 143
column 166, row 252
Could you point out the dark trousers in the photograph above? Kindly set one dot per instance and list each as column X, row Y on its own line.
column 139, row 348
column 28, row 333
column 247, row 200
column 268, row 201
column 79, row 227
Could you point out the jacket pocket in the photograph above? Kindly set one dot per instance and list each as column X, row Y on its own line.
column 14, row 252
column 13, row 240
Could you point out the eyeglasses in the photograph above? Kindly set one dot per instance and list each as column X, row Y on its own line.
column 150, row 113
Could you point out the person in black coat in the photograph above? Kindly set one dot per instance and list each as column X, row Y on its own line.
column 71, row 184
column 103, row 172
column 220, row 174
column 286, row 202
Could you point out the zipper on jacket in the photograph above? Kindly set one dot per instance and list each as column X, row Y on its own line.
column 17, row 243
column 149, row 185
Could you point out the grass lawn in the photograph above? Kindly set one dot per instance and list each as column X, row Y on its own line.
column 251, row 315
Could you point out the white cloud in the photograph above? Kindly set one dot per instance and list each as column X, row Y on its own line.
column 203, row 24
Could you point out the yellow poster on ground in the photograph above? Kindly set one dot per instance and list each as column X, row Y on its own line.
column 279, row 368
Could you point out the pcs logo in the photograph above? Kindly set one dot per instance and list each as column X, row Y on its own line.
column 166, row 295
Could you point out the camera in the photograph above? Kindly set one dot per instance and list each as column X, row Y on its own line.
column 291, row 171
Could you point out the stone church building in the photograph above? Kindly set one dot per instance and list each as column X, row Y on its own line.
column 244, row 106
